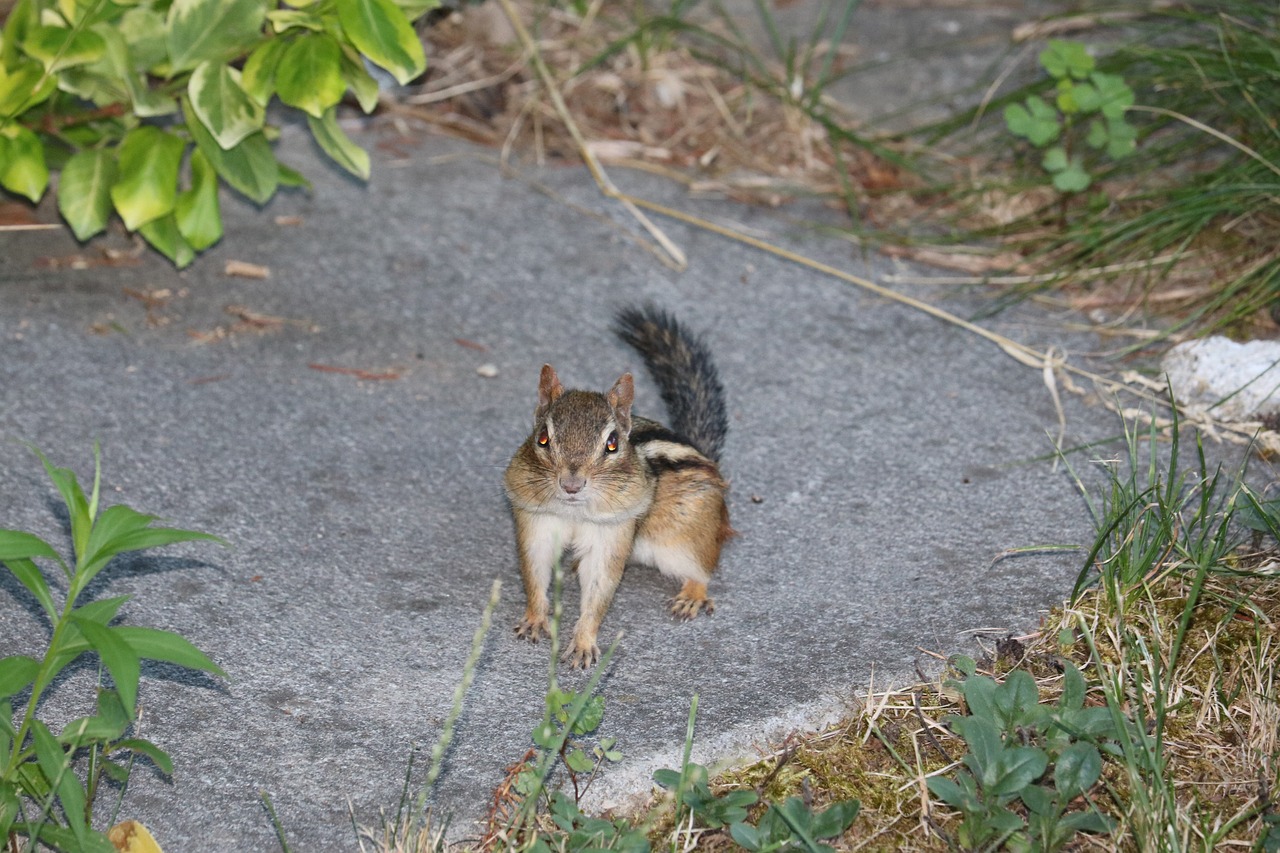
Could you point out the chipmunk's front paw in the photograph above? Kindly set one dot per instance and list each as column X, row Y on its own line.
column 692, row 600
column 533, row 627
column 582, row 653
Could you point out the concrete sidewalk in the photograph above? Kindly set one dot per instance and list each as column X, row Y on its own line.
column 880, row 461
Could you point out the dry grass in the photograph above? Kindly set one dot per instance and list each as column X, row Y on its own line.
column 668, row 108
column 1220, row 731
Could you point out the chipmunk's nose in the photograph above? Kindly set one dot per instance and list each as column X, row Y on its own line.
column 572, row 483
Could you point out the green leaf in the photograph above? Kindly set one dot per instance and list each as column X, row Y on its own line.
column 143, row 30
column 1114, row 96
column 20, row 545
column 1090, row 821
column 139, row 539
column 283, row 20
column 1014, row 769
column 1073, row 688
column 338, row 145
column 63, row 47
column 84, row 191
column 1038, row 800
column 30, row 576
column 1033, row 120
column 667, row 778
column 1073, row 178
column 165, row 238
column 148, row 186
column 747, row 836
column 258, row 78
column 16, row 672
column 55, row 766
column 309, row 75
column 212, row 30
column 1122, row 138
column 359, row 79
column 1076, row 98
column 250, row 168
column 18, row 92
column 1055, row 159
column 578, row 761
column 103, row 610
column 155, row 644
column 591, row 717
column 64, row 479
column 117, row 655
column 90, row 730
column 221, row 105
column 158, row 756
column 957, row 795
column 835, row 819
column 382, row 32
column 291, row 178
column 1066, row 59
column 22, row 168
column 415, row 9
column 198, row 212
column 979, row 695
column 1017, row 700
column 1077, row 769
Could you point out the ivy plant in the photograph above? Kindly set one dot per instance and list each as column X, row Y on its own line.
column 117, row 95
column 1088, row 105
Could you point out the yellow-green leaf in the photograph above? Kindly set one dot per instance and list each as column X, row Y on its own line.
column 164, row 237
column 18, row 91
column 338, row 145
column 63, row 47
column 382, row 32
column 359, row 79
column 22, row 167
column 143, row 30
column 249, row 168
column 84, row 192
column 198, row 213
column 309, row 75
column 258, row 78
column 214, row 30
column 221, row 105
column 148, row 185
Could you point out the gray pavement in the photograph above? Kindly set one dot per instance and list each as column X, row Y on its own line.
column 879, row 462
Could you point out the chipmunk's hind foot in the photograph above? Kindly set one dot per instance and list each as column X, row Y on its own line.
column 692, row 600
column 531, row 628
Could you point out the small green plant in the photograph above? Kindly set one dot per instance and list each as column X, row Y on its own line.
column 1082, row 94
column 792, row 825
column 711, row 811
column 117, row 95
column 1013, row 741
column 42, row 798
column 571, row 716
column 789, row 825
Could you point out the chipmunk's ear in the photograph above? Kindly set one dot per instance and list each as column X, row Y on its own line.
column 549, row 389
column 620, row 398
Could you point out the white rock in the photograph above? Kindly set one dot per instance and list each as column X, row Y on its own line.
column 1230, row 381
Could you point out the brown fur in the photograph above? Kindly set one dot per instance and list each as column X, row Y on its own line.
column 659, row 501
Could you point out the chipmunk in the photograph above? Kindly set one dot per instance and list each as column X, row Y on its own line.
column 607, row 487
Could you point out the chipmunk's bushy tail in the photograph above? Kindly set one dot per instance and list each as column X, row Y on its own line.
column 687, row 379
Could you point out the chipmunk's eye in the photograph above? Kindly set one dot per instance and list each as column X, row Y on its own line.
column 543, row 438
column 611, row 443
